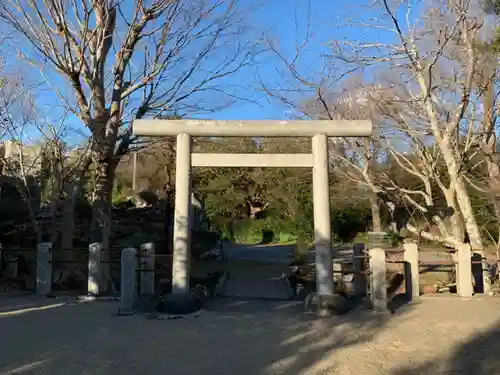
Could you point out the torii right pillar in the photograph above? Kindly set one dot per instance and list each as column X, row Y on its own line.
column 322, row 222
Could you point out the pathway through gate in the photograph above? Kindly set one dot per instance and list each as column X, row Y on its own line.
column 256, row 271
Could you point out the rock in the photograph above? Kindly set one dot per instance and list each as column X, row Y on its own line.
column 212, row 282
column 395, row 284
column 180, row 304
column 430, row 289
column 301, row 292
column 335, row 304
column 398, row 301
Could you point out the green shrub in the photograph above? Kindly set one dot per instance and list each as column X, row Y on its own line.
column 287, row 237
column 349, row 222
column 118, row 195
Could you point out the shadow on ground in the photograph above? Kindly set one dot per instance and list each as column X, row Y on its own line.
column 240, row 337
column 479, row 355
column 436, row 336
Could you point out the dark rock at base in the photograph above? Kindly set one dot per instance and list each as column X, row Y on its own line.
column 334, row 304
column 210, row 282
column 397, row 302
column 179, row 304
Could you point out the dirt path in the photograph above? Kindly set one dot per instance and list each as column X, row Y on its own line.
column 435, row 336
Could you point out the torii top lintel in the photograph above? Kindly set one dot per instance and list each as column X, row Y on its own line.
column 252, row 128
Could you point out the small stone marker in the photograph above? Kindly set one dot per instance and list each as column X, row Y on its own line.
column 95, row 274
column 378, row 279
column 44, row 268
column 128, row 281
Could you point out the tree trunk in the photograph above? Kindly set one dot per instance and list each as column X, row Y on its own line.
column 68, row 224
column 445, row 145
column 375, row 207
column 73, row 191
column 105, row 165
column 457, row 226
column 105, row 170
column 489, row 149
column 455, row 223
column 71, row 275
column 69, row 210
column 458, row 186
column 468, row 215
column 472, row 228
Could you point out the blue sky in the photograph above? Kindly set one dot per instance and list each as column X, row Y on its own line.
column 278, row 16
column 276, row 19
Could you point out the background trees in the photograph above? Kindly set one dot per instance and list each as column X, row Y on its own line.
column 114, row 61
column 427, row 80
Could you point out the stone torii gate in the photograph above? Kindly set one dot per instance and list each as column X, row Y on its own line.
column 318, row 130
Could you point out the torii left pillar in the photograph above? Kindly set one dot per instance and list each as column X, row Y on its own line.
column 181, row 256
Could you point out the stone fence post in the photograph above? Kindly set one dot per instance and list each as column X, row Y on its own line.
column 358, row 250
column 95, row 277
column 464, row 271
column 44, row 268
column 147, row 267
column 412, row 277
column 378, row 279
column 128, row 288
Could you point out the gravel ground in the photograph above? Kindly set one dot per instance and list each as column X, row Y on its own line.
column 440, row 335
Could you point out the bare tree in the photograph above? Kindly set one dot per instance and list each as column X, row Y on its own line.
column 355, row 159
column 424, row 106
column 123, row 60
column 320, row 91
column 20, row 165
column 486, row 78
column 434, row 68
column 47, row 174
